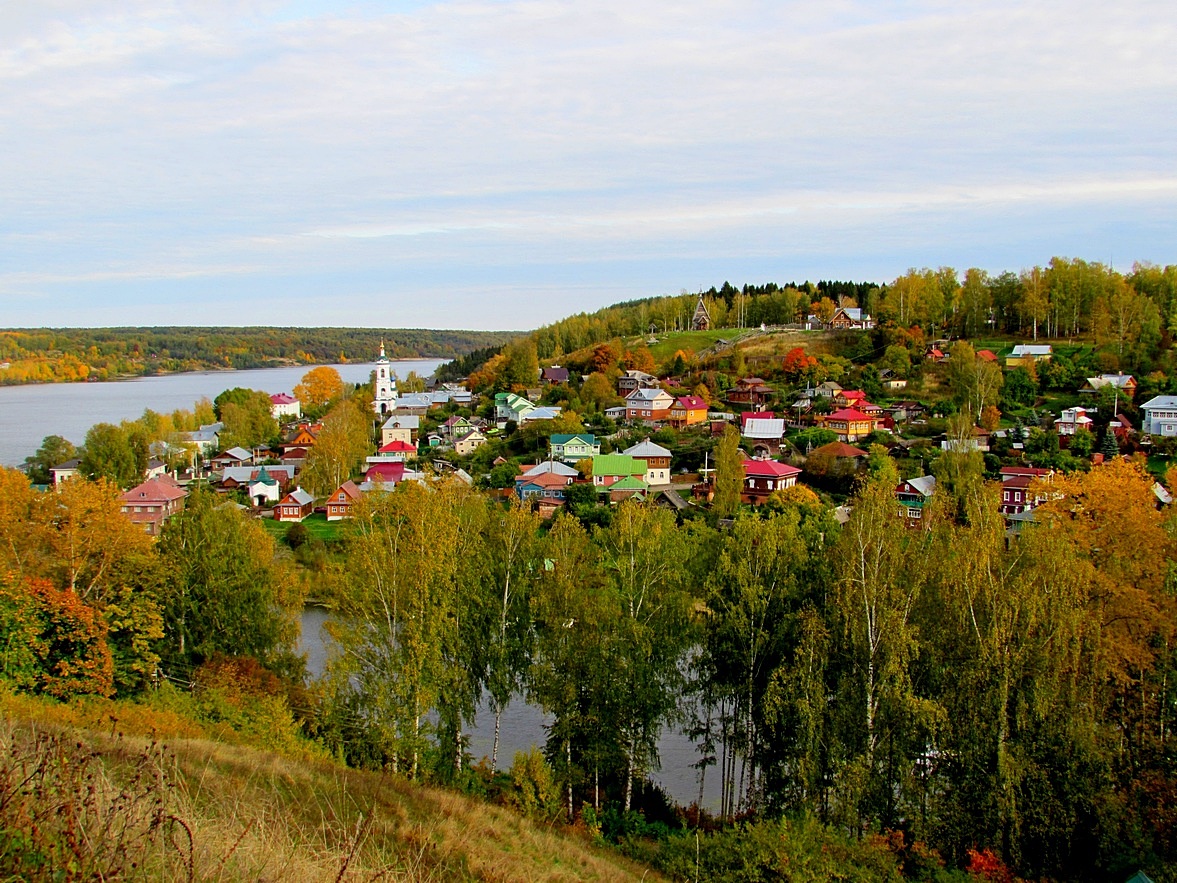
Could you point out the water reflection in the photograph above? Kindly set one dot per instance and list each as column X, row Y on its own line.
column 523, row 726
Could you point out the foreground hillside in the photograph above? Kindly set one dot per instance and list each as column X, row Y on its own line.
column 78, row 804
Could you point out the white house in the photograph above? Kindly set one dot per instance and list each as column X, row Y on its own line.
column 1160, row 416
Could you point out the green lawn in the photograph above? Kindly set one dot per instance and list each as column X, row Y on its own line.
column 318, row 526
column 692, row 341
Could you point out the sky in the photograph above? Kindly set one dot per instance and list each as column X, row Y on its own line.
column 501, row 164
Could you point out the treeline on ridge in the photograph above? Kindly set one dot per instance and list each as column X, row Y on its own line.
column 40, row 355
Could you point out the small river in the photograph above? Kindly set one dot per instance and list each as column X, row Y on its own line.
column 523, row 726
column 29, row 413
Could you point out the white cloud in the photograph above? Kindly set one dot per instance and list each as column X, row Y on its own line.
column 298, row 136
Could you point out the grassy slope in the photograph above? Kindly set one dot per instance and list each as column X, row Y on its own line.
column 256, row 815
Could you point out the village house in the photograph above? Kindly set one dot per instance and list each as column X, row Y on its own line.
column 303, row 436
column 549, row 467
column 543, row 486
column 295, row 506
column 454, row 426
column 751, row 391
column 687, row 411
column 397, row 450
column 66, row 470
column 390, row 472
column 1026, row 355
column 633, row 380
column 844, row 319
column 234, row 477
column 339, row 504
column 511, row 406
column 469, row 442
column 628, row 488
column 413, row 403
column 1015, row 488
column 656, row 458
column 609, row 469
column 648, row 405
column 987, row 356
column 763, row 477
column 1124, row 383
column 400, row 428
column 1160, row 416
column 553, row 375
column 231, row 457
column 571, row 448
column 1072, row 420
column 763, row 430
column 848, row 424
column 202, row 441
column 153, row 502
column 283, row 406
column 913, row 495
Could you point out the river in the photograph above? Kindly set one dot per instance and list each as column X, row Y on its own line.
column 29, row 413
column 523, row 726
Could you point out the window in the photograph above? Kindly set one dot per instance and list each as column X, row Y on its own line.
column 913, row 513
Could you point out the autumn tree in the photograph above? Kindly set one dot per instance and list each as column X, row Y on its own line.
column 318, row 388
column 248, row 417
column 54, row 450
column 649, row 627
column 510, row 567
column 729, row 474
column 225, row 593
column 113, row 453
column 339, row 449
column 797, row 363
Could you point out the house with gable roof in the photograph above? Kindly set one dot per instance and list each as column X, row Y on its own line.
column 1125, row 383
column 648, row 405
column 397, row 450
column 913, row 495
column 764, row 431
column 153, row 502
column 231, row 457
column 609, row 469
column 295, row 506
column 469, row 441
column 1016, row 496
column 762, row 477
column 848, row 424
column 283, row 405
column 656, row 458
column 627, row 488
column 340, row 503
column 750, row 391
column 633, row 379
column 1160, row 416
column 574, row 447
column 1072, row 420
column 687, row 411
column 511, row 406
column 1025, row 355
column 400, row 427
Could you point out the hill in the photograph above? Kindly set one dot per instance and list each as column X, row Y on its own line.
column 76, row 803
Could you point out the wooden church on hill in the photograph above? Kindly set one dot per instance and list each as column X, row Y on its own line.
column 702, row 319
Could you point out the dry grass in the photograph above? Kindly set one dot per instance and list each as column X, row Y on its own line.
column 120, row 807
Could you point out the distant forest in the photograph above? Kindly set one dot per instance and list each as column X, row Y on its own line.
column 1068, row 298
column 47, row 355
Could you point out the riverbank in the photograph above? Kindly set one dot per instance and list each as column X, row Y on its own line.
column 69, row 409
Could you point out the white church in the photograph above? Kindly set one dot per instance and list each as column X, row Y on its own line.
column 385, row 385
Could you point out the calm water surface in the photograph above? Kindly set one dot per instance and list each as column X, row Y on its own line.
column 29, row 413
column 523, row 726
